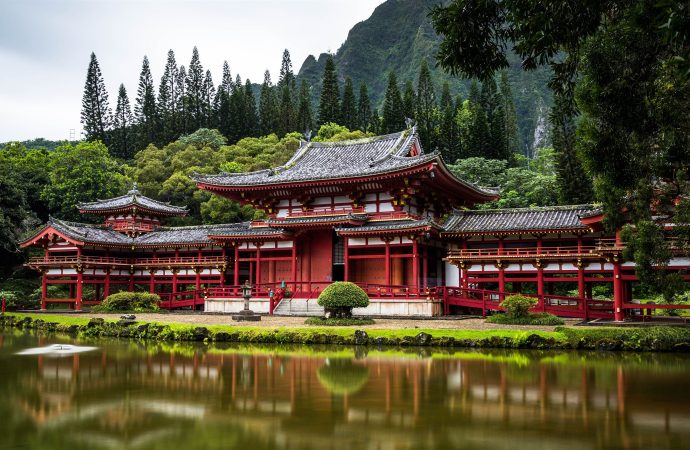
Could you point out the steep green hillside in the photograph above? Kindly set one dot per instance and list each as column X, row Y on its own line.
column 397, row 36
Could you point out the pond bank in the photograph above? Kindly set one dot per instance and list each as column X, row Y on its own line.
column 588, row 338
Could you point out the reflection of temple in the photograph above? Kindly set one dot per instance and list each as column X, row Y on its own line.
column 275, row 401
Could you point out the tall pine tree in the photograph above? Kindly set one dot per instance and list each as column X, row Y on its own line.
column 169, row 100
column 363, row 108
column 145, row 108
column 409, row 100
column 208, row 96
column 268, row 111
column 222, row 105
column 183, row 117
column 448, row 130
column 304, row 116
column 286, row 90
column 195, row 92
column 512, row 132
column 348, row 111
column 123, row 138
column 393, row 114
column 329, row 106
column 574, row 184
column 251, row 121
column 95, row 110
column 426, row 103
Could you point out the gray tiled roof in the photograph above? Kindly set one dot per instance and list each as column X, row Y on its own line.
column 198, row 234
column 98, row 234
column 332, row 160
column 131, row 199
column 391, row 225
column 318, row 219
column 519, row 219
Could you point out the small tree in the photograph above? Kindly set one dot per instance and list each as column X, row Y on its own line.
column 517, row 306
column 339, row 298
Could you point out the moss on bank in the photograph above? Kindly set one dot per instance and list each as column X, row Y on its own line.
column 631, row 339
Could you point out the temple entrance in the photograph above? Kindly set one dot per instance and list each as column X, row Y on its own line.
column 338, row 273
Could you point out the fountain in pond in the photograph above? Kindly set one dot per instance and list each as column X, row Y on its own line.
column 57, row 350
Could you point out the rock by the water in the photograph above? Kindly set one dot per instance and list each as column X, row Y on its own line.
column 361, row 337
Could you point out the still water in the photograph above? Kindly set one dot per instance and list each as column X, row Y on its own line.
column 127, row 395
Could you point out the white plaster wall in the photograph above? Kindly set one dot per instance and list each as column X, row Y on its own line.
column 452, row 274
column 235, row 305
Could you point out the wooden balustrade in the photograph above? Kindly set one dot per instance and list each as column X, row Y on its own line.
column 57, row 261
column 327, row 212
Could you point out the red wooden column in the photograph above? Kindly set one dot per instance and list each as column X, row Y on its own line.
column 80, row 286
column 415, row 264
column 236, row 275
column 223, row 265
column 540, row 277
column 618, row 313
column 80, row 281
column 174, row 279
column 197, row 283
column 106, row 285
column 152, row 281
column 346, row 259
column 387, row 258
column 580, row 279
column 501, row 276
column 44, row 288
column 425, row 266
column 293, row 256
column 258, row 262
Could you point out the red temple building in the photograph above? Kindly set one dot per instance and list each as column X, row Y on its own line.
column 377, row 211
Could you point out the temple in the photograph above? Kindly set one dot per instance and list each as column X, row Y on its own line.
column 377, row 211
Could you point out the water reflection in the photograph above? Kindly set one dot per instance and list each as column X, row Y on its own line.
column 127, row 395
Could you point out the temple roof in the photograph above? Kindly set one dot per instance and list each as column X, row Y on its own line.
column 334, row 162
column 133, row 199
column 519, row 219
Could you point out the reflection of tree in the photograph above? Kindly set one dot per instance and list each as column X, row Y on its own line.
column 342, row 377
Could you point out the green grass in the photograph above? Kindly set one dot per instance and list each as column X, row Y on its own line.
column 583, row 338
column 338, row 322
column 531, row 319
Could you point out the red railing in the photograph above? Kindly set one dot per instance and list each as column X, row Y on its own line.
column 327, row 211
column 103, row 260
column 120, row 225
column 182, row 299
column 601, row 245
column 486, row 300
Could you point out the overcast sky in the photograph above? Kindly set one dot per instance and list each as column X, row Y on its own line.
column 45, row 47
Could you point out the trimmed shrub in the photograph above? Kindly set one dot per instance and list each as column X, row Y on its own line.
column 517, row 306
column 339, row 298
column 129, row 301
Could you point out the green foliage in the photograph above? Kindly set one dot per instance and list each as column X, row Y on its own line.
column 95, row 112
column 529, row 319
column 339, row 321
column 129, row 301
column 204, row 137
column 520, row 187
column 332, row 132
column 340, row 297
column 81, row 173
column 517, row 306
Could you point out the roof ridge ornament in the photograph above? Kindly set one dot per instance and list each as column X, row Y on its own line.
column 134, row 191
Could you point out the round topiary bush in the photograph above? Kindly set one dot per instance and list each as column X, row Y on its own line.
column 518, row 306
column 339, row 298
column 129, row 301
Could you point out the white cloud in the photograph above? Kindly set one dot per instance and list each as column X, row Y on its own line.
column 45, row 47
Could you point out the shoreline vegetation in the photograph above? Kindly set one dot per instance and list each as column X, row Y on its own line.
column 654, row 339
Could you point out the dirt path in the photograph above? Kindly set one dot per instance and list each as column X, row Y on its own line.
column 298, row 322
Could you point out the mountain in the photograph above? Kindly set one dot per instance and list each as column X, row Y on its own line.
column 396, row 37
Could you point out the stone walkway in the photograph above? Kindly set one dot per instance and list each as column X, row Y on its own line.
column 298, row 322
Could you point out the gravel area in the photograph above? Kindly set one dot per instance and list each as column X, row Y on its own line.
column 298, row 322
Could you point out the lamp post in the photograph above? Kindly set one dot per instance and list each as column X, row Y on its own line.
column 246, row 315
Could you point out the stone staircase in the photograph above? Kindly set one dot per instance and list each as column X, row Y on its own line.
column 298, row 307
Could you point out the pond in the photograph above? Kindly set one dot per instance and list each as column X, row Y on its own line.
column 129, row 395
